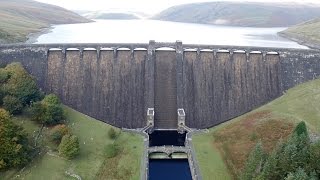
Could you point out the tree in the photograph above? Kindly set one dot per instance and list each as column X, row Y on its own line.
column 254, row 164
column 300, row 174
column 49, row 111
column 14, row 145
column 69, row 146
column 37, row 112
column 12, row 104
column 4, row 75
column 300, row 129
column 51, row 99
column 315, row 157
column 21, row 85
column 295, row 159
column 58, row 132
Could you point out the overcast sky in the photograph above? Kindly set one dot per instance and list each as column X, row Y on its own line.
column 146, row 6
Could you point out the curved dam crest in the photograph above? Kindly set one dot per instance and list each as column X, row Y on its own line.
column 117, row 83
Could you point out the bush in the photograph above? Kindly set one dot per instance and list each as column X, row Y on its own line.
column 12, row 104
column 112, row 150
column 69, row 146
column 14, row 145
column 112, row 133
column 58, row 132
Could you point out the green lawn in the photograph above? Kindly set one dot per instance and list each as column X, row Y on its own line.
column 91, row 163
column 301, row 103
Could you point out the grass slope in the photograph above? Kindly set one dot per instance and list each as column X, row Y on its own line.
column 305, row 33
column 19, row 18
column 241, row 14
column 91, row 163
column 222, row 152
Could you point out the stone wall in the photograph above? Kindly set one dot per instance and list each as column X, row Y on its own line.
column 116, row 83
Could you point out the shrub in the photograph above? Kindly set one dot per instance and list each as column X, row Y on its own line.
column 12, row 104
column 112, row 133
column 14, row 145
column 69, row 146
column 58, row 132
column 112, row 150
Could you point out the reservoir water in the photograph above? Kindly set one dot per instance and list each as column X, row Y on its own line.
column 141, row 31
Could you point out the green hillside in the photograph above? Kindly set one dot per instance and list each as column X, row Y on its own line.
column 19, row 18
column 223, row 151
column 106, row 15
column 92, row 162
column 241, row 14
column 307, row 33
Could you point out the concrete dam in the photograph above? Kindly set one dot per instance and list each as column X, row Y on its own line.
column 118, row 83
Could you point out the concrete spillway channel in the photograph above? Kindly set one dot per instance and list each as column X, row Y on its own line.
column 168, row 157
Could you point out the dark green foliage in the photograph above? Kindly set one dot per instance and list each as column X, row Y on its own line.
column 2, row 94
column 299, row 174
column 69, row 146
column 12, row 104
column 295, row 159
column 58, row 132
column 14, row 146
column 4, row 75
column 51, row 99
column 315, row 157
column 21, row 85
column 254, row 164
column 112, row 150
column 49, row 111
column 112, row 133
column 270, row 167
column 301, row 128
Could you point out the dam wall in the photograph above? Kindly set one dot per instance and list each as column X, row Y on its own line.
column 117, row 83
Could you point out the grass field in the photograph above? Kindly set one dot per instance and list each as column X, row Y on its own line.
column 222, row 152
column 92, row 162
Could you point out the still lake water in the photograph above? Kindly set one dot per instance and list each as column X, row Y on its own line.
column 141, row 31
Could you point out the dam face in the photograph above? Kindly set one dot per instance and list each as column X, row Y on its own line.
column 117, row 83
